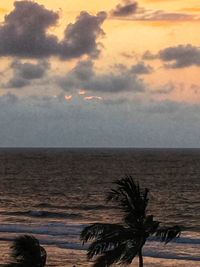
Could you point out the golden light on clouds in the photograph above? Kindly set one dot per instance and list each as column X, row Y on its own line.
column 79, row 63
column 82, row 92
column 93, row 98
column 68, row 97
column 125, row 35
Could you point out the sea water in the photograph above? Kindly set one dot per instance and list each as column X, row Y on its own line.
column 54, row 193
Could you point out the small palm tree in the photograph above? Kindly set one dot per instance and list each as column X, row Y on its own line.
column 27, row 252
column 121, row 243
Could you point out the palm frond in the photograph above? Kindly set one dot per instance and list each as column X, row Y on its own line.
column 111, row 241
column 110, row 257
column 131, row 251
column 120, row 243
column 124, row 254
column 24, row 247
column 167, row 234
column 150, row 225
column 43, row 256
column 97, row 230
column 26, row 251
column 132, row 200
column 99, row 247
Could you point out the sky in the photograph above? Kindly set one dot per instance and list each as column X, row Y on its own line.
column 117, row 73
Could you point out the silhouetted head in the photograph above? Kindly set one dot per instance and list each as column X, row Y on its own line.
column 27, row 252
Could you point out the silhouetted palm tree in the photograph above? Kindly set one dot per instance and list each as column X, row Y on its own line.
column 27, row 252
column 121, row 243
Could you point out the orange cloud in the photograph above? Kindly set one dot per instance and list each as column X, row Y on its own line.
column 93, row 97
column 81, row 92
column 161, row 15
column 68, row 97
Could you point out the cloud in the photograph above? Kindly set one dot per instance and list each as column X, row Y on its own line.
column 131, row 11
column 126, row 9
column 23, row 73
column 83, row 76
column 180, row 56
column 83, row 71
column 8, row 99
column 149, row 56
column 80, row 37
column 165, row 89
column 161, row 15
column 30, row 71
column 93, row 97
column 116, row 101
column 16, row 82
column 115, row 83
column 141, row 68
column 27, row 36
column 48, row 122
column 165, row 106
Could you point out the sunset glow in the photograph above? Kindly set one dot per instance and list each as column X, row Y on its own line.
column 137, row 56
column 93, row 98
column 68, row 97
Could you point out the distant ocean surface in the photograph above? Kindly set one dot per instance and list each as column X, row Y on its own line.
column 54, row 193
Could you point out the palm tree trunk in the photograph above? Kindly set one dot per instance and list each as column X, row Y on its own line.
column 140, row 258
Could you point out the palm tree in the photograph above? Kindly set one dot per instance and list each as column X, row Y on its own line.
column 27, row 252
column 121, row 243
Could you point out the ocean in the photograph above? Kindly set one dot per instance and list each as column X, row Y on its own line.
column 53, row 193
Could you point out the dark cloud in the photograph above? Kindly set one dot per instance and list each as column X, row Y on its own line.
column 30, row 71
column 115, row 83
column 23, row 73
column 149, row 56
column 180, row 56
column 164, row 89
column 126, row 9
column 26, row 36
column 131, row 11
column 83, row 76
column 141, row 68
column 80, row 37
column 160, row 15
column 16, row 82
column 83, row 71
column 23, row 32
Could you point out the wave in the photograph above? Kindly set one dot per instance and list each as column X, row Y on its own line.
column 180, row 240
column 146, row 253
column 62, row 229
column 76, row 207
column 66, row 236
column 170, row 256
column 42, row 214
column 52, row 229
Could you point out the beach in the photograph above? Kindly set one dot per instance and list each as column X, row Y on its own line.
column 54, row 193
